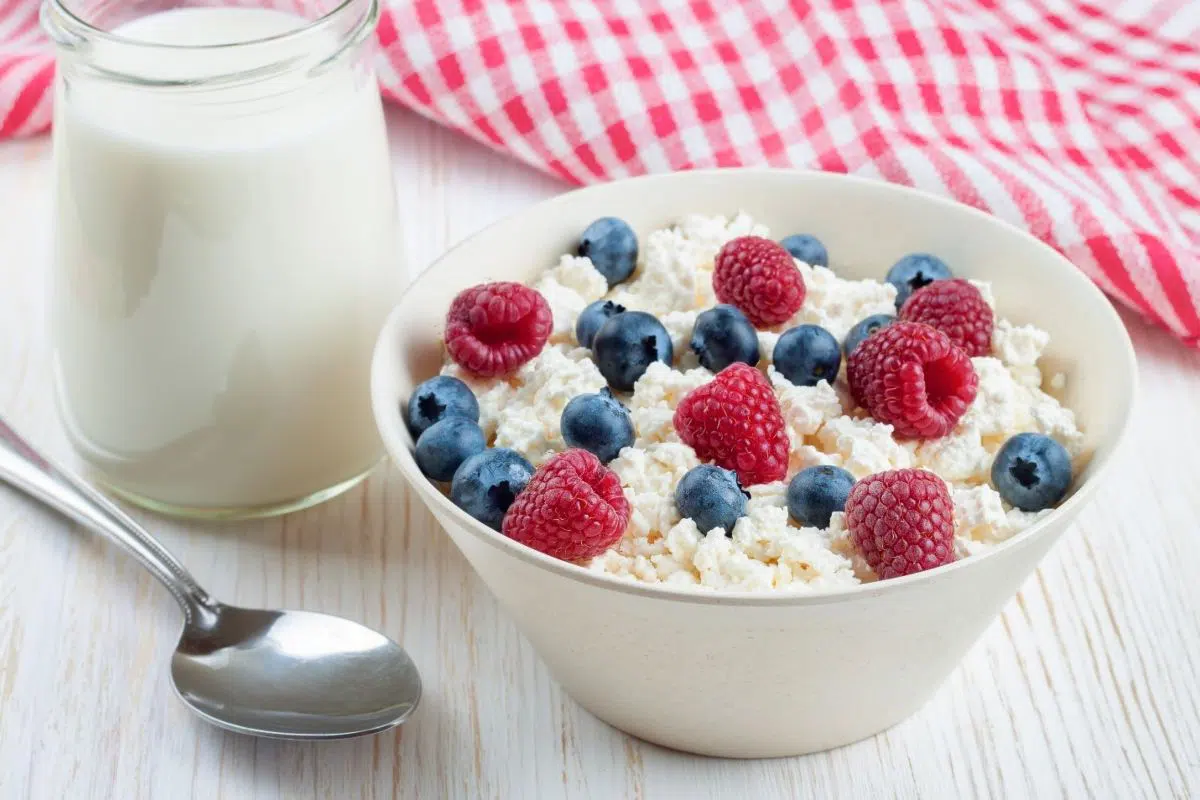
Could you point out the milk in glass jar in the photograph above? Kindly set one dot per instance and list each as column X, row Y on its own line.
column 226, row 249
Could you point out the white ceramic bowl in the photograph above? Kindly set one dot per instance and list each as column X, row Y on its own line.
column 755, row 675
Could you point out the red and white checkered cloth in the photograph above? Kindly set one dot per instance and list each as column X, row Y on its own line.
column 1078, row 121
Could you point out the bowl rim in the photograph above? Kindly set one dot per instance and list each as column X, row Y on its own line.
column 390, row 423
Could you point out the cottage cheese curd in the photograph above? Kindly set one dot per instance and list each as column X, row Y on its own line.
column 766, row 550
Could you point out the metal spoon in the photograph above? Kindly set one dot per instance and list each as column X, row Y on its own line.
column 280, row 674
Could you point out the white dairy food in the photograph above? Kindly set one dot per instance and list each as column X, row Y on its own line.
column 655, row 396
column 568, row 288
column 677, row 264
column 529, row 419
column 225, row 258
column 541, row 389
column 766, row 551
column 862, row 446
column 836, row 304
column 805, row 408
column 679, row 325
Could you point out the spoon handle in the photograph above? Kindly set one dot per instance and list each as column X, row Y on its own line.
column 24, row 468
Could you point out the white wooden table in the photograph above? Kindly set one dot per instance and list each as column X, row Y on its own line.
column 1086, row 687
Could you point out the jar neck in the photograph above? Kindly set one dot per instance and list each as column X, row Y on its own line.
column 105, row 40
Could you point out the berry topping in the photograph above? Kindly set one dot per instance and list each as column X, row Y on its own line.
column 902, row 521
column 597, row 423
column 593, row 317
column 494, row 328
column 914, row 271
column 759, row 277
column 487, row 483
column 913, row 378
column 723, row 335
column 957, row 309
column 1032, row 472
column 734, row 421
column 806, row 248
column 627, row 344
column 816, row 493
column 445, row 445
column 439, row 397
column 711, row 497
column 612, row 246
column 864, row 328
column 807, row 355
column 573, row 508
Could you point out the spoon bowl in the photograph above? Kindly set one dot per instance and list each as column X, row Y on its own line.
column 333, row 678
column 278, row 674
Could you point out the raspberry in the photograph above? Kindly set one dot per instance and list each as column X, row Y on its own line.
column 572, row 509
column 957, row 309
column 914, row 378
column 734, row 421
column 494, row 328
column 760, row 278
column 902, row 521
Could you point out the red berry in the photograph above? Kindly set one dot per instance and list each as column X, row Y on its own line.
column 914, row 378
column 957, row 309
column 759, row 277
column 734, row 421
column 494, row 328
column 573, row 508
column 902, row 521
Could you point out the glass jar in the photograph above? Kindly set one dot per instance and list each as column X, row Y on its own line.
column 226, row 249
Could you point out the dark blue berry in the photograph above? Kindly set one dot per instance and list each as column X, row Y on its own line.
column 711, row 497
column 914, row 271
column 599, row 424
column 864, row 328
column 445, row 445
column 438, row 397
column 612, row 246
column 807, row 355
column 816, row 493
column 721, row 336
column 627, row 344
column 807, row 248
column 592, row 318
column 487, row 483
column 1032, row 472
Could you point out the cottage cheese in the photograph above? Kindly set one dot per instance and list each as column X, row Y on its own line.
column 862, row 446
column 679, row 326
column 677, row 264
column 655, row 396
column 981, row 519
column 765, row 551
column 526, row 417
column 568, row 288
column 836, row 304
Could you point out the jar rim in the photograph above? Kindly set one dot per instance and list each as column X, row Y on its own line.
column 72, row 32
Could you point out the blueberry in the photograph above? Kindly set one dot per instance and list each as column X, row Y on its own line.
column 807, row 355
column 807, row 248
column 594, row 316
column 721, row 336
column 445, row 445
column 612, row 246
column 487, row 483
column 864, row 328
column 816, row 493
column 627, row 344
column 914, row 271
column 1032, row 472
column 599, row 424
column 438, row 397
column 711, row 497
